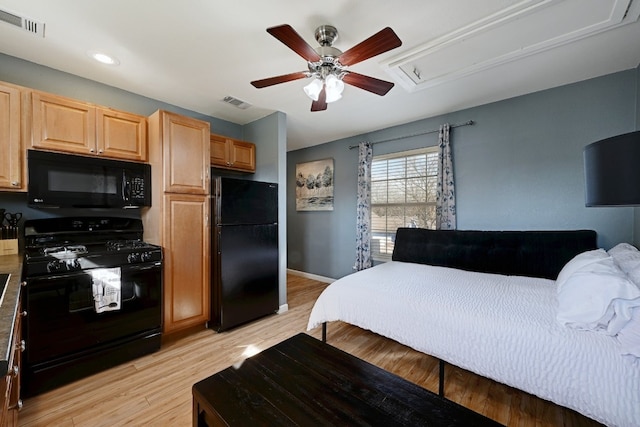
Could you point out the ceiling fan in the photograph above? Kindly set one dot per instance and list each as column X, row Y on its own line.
column 328, row 65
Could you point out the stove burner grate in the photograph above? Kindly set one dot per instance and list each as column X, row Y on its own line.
column 70, row 249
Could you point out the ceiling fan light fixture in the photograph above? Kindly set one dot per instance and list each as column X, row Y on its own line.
column 313, row 89
column 334, row 87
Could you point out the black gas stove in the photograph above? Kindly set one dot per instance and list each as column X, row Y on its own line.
column 72, row 266
column 57, row 245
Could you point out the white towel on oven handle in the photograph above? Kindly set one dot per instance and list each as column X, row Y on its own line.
column 106, row 288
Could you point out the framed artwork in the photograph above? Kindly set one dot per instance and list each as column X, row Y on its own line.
column 314, row 186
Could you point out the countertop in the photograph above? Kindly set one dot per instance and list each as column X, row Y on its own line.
column 9, row 264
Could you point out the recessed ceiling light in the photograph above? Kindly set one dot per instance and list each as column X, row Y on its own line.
column 103, row 57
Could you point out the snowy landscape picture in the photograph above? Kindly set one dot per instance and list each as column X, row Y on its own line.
column 314, row 186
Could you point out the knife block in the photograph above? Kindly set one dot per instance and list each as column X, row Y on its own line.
column 8, row 247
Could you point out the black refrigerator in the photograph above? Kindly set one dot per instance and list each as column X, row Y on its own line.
column 244, row 253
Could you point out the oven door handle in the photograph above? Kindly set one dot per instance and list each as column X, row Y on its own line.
column 52, row 277
column 142, row 267
column 126, row 267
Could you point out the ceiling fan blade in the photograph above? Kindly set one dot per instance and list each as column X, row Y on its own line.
column 279, row 79
column 383, row 41
column 321, row 103
column 371, row 84
column 287, row 35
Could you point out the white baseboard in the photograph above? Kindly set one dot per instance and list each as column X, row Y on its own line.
column 283, row 308
column 311, row 276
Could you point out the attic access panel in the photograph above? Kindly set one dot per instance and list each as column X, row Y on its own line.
column 488, row 42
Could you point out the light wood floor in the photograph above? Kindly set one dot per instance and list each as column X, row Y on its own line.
column 155, row 390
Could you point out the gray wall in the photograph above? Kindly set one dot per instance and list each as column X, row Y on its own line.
column 519, row 167
column 270, row 137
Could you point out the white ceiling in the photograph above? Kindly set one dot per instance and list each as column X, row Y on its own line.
column 194, row 53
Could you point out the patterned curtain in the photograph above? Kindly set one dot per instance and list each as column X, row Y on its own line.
column 363, row 210
column 446, row 194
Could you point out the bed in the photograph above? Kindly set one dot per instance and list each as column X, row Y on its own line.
column 490, row 302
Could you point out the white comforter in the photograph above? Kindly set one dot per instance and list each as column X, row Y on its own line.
column 501, row 327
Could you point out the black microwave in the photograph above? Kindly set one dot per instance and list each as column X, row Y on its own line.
column 69, row 181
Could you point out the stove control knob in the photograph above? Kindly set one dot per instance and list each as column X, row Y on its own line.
column 133, row 257
column 54, row 266
column 145, row 256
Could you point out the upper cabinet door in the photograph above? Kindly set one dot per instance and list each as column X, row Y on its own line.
column 62, row 124
column 243, row 156
column 232, row 154
column 11, row 170
column 219, row 154
column 121, row 135
column 185, row 154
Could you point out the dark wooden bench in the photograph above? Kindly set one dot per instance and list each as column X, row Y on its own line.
column 303, row 381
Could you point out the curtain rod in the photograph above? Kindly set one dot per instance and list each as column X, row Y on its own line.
column 455, row 125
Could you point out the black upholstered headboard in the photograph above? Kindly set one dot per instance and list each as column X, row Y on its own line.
column 521, row 253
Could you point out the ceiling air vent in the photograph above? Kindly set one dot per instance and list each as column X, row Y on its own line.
column 236, row 102
column 27, row 24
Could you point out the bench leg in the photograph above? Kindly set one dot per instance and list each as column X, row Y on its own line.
column 324, row 332
column 441, row 379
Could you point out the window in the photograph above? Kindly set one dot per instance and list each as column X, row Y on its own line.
column 403, row 194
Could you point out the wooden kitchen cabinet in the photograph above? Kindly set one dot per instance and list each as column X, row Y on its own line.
column 232, row 154
column 10, row 388
column 12, row 159
column 64, row 124
column 186, row 261
column 185, row 148
column 178, row 219
column 121, row 135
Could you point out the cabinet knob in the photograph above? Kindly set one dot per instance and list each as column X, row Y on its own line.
column 23, row 283
column 100, row 151
column 15, row 370
column 92, row 150
column 24, row 313
column 23, row 345
column 15, row 183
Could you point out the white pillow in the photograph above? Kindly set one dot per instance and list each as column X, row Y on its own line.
column 629, row 336
column 628, row 259
column 585, row 297
column 621, row 248
column 581, row 260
